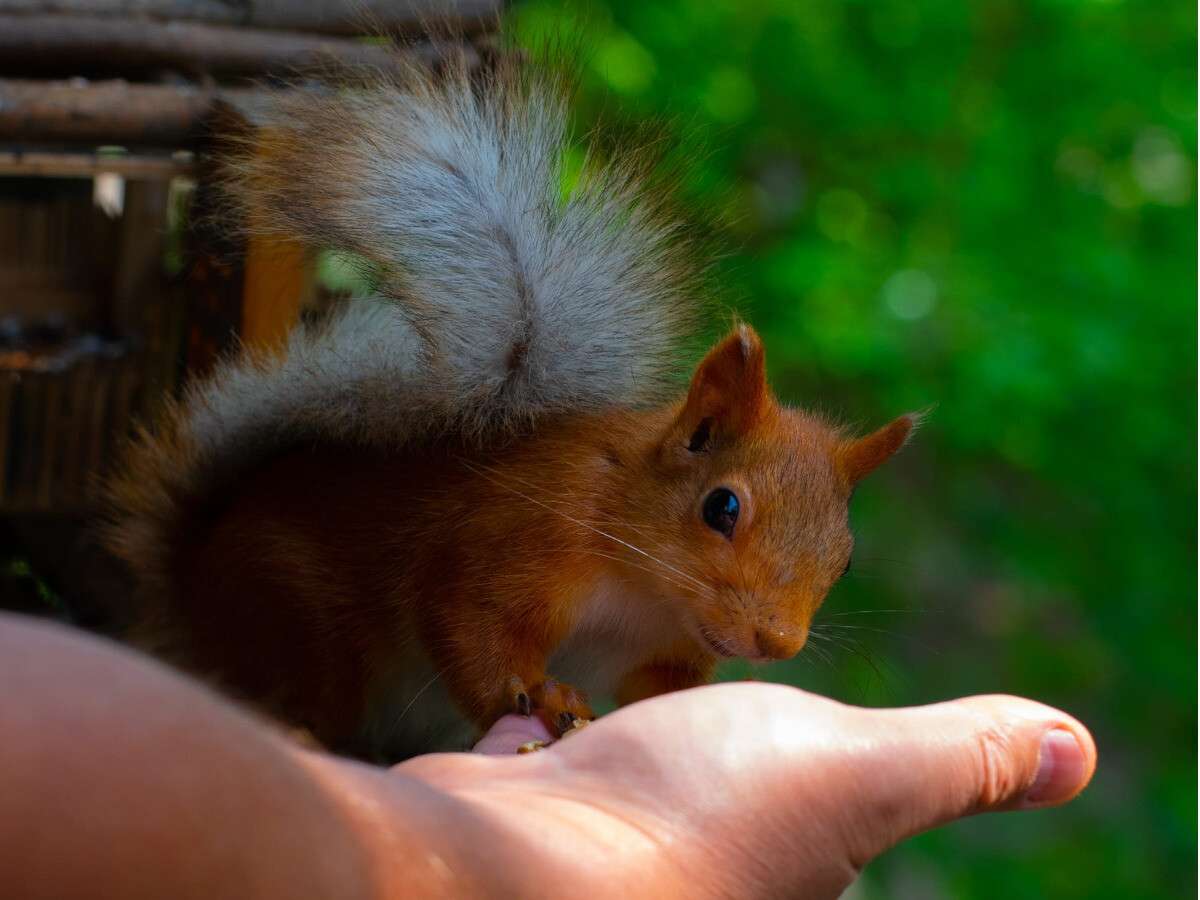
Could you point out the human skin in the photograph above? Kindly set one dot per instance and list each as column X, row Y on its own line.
column 120, row 778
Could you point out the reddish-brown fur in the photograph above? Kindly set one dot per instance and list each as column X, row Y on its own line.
column 303, row 583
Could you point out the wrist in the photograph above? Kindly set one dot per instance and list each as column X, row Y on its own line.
column 418, row 836
column 537, row 827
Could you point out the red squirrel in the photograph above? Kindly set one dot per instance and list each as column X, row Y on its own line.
column 467, row 495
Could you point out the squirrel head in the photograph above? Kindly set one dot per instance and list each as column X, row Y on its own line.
column 748, row 513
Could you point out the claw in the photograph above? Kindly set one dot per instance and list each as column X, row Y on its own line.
column 565, row 722
column 576, row 726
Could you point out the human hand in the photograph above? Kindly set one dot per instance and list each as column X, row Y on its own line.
column 122, row 779
column 751, row 790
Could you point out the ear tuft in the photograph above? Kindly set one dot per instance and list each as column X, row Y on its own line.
column 859, row 458
column 749, row 342
column 728, row 392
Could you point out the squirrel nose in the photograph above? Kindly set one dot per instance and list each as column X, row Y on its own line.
column 781, row 643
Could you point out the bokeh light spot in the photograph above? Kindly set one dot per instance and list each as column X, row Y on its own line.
column 1160, row 167
column 910, row 294
column 625, row 64
column 841, row 215
column 730, row 95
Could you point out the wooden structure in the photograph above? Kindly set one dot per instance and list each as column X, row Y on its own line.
column 111, row 290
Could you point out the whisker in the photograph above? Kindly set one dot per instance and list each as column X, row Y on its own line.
column 820, row 652
column 903, row 563
column 831, row 626
column 658, row 574
column 483, row 470
column 417, row 696
column 862, row 653
column 826, row 656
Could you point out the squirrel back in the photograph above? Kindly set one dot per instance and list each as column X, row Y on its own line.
column 507, row 286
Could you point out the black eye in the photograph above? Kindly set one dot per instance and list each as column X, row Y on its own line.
column 721, row 511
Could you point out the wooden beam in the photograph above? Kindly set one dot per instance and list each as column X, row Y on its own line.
column 89, row 165
column 111, row 112
column 73, row 45
column 326, row 17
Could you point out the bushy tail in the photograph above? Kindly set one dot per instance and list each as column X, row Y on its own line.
column 511, row 283
column 525, row 294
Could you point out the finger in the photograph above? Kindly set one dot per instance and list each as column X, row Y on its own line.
column 925, row 766
column 510, row 732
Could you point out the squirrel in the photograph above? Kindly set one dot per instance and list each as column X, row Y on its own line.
column 473, row 493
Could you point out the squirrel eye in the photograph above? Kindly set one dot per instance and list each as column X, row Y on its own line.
column 721, row 511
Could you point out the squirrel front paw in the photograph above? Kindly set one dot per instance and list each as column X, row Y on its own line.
column 518, row 699
column 559, row 704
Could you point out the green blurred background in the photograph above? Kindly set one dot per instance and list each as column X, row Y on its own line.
column 990, row 207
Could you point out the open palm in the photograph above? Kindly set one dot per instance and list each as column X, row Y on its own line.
column 750, row 790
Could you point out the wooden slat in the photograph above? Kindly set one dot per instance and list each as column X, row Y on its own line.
column 138, row 278
column 9, row 382
column 110, row 112
column 326, row 16
column 114, row 111
column 74, row 45
column 88, row 165
column 105, row 112
column 28, row 433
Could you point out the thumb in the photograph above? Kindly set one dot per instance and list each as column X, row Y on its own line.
column 937, row 763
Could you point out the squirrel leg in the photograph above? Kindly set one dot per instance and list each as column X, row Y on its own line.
column 513, row 679
column 661, row 677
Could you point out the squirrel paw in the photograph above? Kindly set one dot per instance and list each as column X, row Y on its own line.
column 560, row 705
column 518, row 697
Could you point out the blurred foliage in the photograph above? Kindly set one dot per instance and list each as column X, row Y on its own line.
column 990, row 207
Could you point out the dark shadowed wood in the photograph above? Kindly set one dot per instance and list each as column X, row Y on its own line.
column 327, row 16
column 101, row 112
column 53, row 164
column 111, row 112
column 73, row 45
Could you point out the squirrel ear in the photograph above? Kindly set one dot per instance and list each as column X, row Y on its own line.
column 859, row 458
column 728, row 391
